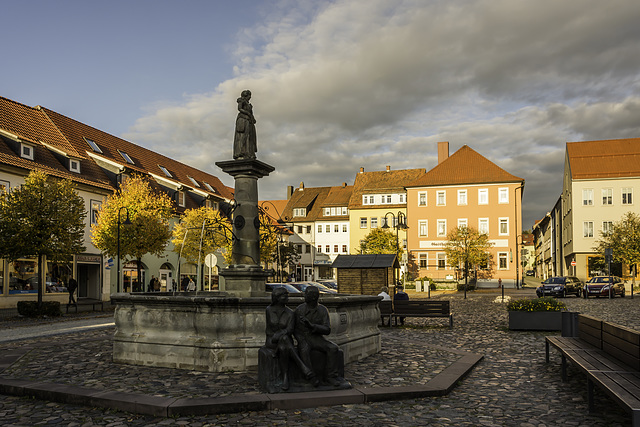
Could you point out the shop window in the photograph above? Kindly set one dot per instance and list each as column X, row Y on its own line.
column 57, row 277
column 23, row 276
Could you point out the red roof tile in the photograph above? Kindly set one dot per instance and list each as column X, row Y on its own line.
column 614, row 158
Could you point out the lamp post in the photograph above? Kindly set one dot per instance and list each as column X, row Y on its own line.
column 399, row 223
column 126, row 222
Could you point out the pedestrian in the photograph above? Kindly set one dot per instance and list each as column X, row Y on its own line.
column 192, row 285
column 184, row 283
column 384, row 294
column 401, row 295
column 71, row 288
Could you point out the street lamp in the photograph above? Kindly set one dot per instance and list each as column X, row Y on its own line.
column 399, row 223
column 126, row 222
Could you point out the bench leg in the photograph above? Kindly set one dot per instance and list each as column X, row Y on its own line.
column 590, row 394
column 547, row 350
column 563, row 369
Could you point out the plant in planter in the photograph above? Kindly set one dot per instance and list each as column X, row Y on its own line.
column 539, row 314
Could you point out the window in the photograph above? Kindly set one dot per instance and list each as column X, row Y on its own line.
column 95, row 207
column 483, row 225
column 327, row 228
column 463, row 222
column 462, row 197
column 308, row 229
column 422, row 199
column 442, row 227
column 423, row 227
column 319, row 248
column 126, row 157
column 93, row 145
column 442, row 260
column 211, row 204
column 193, row 181
column 587, row 229
column 503, row 226
column 402, row 200
column 299, row 229
column 483, row 196
column 181, row 198
column 307, row 248
column 336, row 228
column 327, row 248
column 503, row 261
column 607, row 196
column 363, row 222
column 367, row 200
column 607, row 226
column 627, row 196
column 209, row 187
column 389, row 198
column 587, row 197
column 327, row 211
column 299, row 248
column 319, row 229
column 165, row 171
column 344, row 249
column 423, row 260
column 26, row 151
column 74, row 165
column 299, row 212
column 374, row 222
column 344, row 228
column 441, row 199
column 503, row 195
column 335, row 248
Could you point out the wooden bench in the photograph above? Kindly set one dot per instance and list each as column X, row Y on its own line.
column 415, row 308
column 609, row 356
column 87, row 302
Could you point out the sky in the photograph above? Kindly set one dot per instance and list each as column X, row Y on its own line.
column 337, row 85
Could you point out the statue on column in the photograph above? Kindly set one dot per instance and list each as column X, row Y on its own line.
column 245, row 141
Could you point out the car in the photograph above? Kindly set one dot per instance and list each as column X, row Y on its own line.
column 604, row 286
column 329, row 283
column 560, row 286
column 530, row 273
column 271, row 286
column 302, row 286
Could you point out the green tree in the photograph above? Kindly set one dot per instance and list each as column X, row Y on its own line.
column 44, row 217
column 624, row 241
column 465, row 248
column 289, row 255
column 380, row 241
column 200, row 231
column 149, row 212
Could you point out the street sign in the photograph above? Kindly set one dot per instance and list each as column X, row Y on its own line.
column 210, row 260
column 573, row 263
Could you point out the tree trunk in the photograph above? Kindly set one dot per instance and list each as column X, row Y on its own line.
column 40, row 287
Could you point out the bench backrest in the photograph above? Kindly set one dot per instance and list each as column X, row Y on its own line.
column 590, row 330
column 429, row 307
column 622, row 343
column 385, row 308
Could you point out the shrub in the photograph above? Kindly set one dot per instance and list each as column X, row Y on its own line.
column 537, row 304
column 471, row 285
column 30, row 308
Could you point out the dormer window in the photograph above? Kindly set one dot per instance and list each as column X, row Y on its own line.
column 299, row 212
column 193, row 181
column 93, row 145
column 74, row 165
column 26, row 151
column 126, row 157
column 209, row 187
column 165, row 171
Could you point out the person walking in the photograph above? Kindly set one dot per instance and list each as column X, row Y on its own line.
column 71, row 288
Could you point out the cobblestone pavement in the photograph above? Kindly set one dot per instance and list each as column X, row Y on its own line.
column 512, row 386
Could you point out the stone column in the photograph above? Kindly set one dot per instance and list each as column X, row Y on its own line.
column 245, row 277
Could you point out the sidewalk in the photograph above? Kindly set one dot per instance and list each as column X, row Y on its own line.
column 512, row 385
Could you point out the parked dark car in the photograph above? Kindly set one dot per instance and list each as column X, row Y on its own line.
column 271, row 286
column 530, row 273
column 329, row 283
column 603, row 286
column 302, row 286
column 560, row 286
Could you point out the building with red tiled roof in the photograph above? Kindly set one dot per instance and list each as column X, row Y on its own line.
column 599, row 187
column 465, row 189
column 97, row 162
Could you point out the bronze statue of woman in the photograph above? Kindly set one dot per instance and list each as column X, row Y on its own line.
column 245, row 141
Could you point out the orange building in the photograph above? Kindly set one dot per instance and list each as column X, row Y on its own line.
column 465, row 189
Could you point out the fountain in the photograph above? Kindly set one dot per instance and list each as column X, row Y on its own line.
column 223, row 331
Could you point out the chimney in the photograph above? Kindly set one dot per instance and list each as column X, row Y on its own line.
column 443, row 151
column 388, row 168
column 344, row 185
column 289, row 191
column 302, row 185
column 361, row 170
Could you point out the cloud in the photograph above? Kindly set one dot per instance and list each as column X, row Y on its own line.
column 344, row 84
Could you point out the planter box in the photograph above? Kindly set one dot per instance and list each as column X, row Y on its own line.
column 535, row 320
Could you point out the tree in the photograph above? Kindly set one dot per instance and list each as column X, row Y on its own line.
column 380, row 241
column 467, row 247
column 624, row 241
column 149, row 212
column 44, row 217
